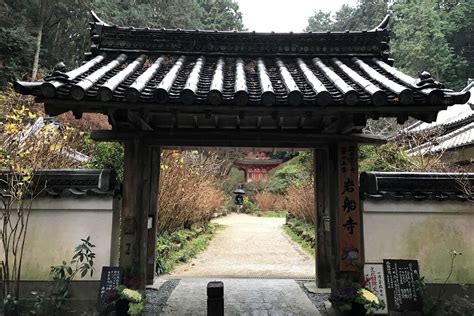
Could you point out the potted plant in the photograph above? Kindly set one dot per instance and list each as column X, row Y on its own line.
column 355, row 301
column 130, row 302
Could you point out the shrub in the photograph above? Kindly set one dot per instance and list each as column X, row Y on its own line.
column 188, row 195
column 106, row 156
column 388, row 157
column 267, row 201
column 300, row 202
column 291, row 175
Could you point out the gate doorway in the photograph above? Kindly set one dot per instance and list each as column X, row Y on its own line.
column 140, row 192
column 252, row 240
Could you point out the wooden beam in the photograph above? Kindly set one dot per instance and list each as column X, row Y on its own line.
column 331, row 125
column 95, row 106
column 137, row 121
column 301, row 122
column 234, row 138
column 352, row 123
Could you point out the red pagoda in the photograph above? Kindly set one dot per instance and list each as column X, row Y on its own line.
column 256, row 166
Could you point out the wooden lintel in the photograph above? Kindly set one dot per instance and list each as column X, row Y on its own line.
column 234, row 138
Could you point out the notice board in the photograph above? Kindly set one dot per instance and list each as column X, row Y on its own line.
column 110, row 279
column 401, row 279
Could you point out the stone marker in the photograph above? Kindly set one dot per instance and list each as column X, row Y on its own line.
column 215, row 298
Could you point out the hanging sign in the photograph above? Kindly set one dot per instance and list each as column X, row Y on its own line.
column 374, row 278
column 349, row 208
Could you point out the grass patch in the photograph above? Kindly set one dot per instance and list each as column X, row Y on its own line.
column 182, row 245
column 270, row 213
column 303, row 234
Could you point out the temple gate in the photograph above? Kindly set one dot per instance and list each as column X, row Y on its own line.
column 173, row 88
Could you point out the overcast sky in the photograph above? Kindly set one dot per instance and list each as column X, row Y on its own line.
column 284, row 15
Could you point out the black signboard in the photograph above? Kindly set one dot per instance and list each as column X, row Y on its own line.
column 110, row 278
column 401, row 278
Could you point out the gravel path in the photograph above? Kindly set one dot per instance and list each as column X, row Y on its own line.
column 157, row 297
column 241, row 297
column 250, row 246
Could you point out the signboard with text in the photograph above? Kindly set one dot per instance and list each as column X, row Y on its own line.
column 375, row 282
column 401, row 278
column 349, row 208
column 110, row 279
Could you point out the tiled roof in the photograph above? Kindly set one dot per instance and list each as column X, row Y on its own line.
column 67, row 182
column 461, row 137
column 456, row 123
column 454, row 116
column 149, row 70
column 417, row 186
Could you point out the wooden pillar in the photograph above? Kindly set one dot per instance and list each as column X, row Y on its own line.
column 153, row 214
column 141, row 165
column 333, row 188
column 323, row 230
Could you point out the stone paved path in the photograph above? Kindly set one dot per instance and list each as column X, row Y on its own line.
column 242, row 297
column 250, row 246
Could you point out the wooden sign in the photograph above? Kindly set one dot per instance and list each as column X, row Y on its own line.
column 349, row 208
column 110, row 278
column 375, row 282
column 401, row 278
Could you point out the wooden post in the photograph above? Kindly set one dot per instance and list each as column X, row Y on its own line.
column 333, row 203
column 323, row 229
column 153, row 214
column 139, row 201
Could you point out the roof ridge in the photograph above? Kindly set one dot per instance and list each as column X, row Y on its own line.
column 109, row 37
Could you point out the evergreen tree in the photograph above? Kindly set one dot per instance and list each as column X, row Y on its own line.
column 37, row 34
column 421, row 31
column 427, row 35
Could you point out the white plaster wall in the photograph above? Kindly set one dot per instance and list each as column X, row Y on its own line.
column 426, row 231
column 56, row 227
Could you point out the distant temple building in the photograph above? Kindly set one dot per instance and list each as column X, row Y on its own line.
column 256, row 166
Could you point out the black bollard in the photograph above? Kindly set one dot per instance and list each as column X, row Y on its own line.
column 215, row 298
